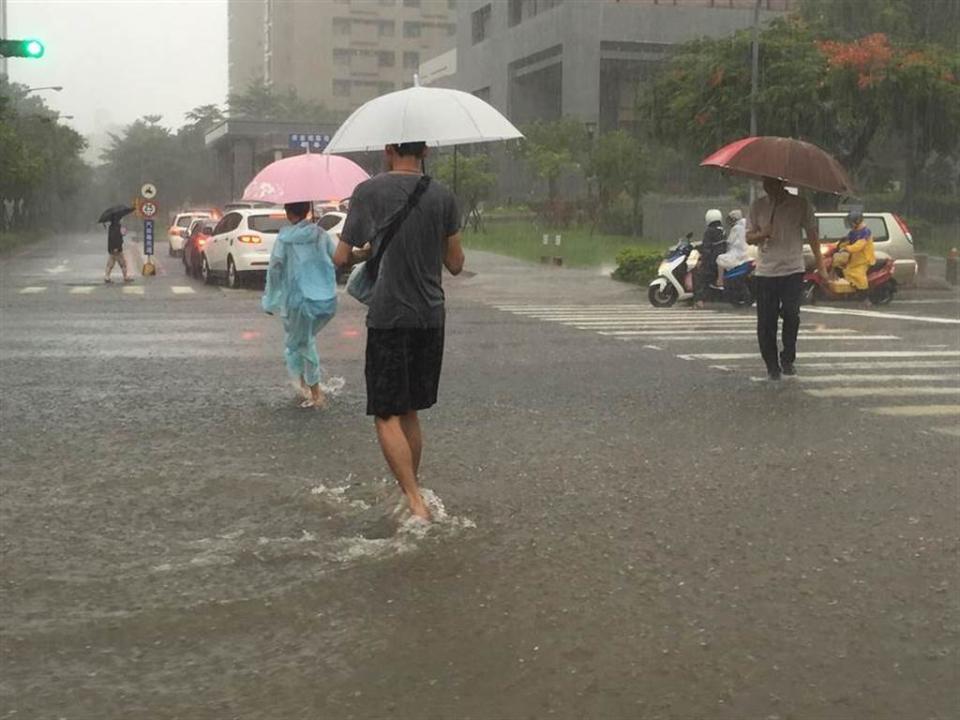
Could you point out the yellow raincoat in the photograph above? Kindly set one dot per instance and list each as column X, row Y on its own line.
column 855, row 255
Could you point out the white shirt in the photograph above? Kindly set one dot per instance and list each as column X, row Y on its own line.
column 782, row 254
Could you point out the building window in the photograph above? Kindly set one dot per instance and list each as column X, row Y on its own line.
column 411, row 29
column 520, row 10
column 452, row 29
column 341, row 88
column 386, row 59
column 341, row 26
column 482, row 93
column 388, row 2
column 387, row 28
column 385, row 87
column 411, row 60
column 341, row 57
column 451, row 4
column 411, row 3
column 481, row 24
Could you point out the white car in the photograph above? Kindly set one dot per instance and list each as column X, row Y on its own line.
column 333, row 222
column 180, row 230
column 241, row 244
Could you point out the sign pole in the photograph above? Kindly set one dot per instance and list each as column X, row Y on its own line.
column 148, row 209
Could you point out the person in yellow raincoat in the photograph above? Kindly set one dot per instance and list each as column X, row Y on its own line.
column 854, row 254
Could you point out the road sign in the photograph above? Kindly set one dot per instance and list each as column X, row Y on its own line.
column 148, row 191
column 148, row 237
column 148, row 209
column 309, row 141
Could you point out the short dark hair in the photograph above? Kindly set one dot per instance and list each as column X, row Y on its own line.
column 410, row 148
column 298, row 209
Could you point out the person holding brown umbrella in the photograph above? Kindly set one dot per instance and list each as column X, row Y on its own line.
column 776, row 225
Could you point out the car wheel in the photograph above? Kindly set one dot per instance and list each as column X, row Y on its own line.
column 205, row 273
column 171, row 250
column 662, row 297
column 233, row 277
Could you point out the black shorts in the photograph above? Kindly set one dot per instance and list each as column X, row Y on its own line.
column 402, row 369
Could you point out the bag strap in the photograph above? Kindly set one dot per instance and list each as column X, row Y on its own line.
column 393, row 225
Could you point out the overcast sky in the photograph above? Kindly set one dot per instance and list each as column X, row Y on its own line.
column 118, row 60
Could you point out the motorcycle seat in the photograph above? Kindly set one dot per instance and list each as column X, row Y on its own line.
column 877, row 266
column 738, row 271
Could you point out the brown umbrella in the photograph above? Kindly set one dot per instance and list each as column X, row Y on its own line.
column 794, row 161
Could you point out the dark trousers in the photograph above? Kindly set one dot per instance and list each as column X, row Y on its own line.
column 778, row 297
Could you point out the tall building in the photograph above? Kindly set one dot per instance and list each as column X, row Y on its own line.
column 339, row 52
column 543, row 59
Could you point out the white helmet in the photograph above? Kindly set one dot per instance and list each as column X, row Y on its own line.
column 713, row 216
column 734, row 216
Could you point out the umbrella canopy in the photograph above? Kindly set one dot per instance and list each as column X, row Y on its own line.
column 117, row 211
column 794, row 161
column 436, row 116
column 306, row 178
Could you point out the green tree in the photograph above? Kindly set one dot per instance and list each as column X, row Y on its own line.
column 552, row 148
column 472, row 181
column 261, row 101
column 618, row 165
column 934, row 21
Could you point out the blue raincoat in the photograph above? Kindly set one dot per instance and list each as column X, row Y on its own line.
column 302, row 288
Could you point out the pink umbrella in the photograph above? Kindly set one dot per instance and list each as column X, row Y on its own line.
column 307, row 177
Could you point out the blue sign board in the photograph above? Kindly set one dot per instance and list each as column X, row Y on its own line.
column 148, row 237
column 309, row 141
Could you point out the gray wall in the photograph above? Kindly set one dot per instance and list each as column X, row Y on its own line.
column 578, row 27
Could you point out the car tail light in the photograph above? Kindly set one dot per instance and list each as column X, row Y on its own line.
column 201, row 242
column 250, row 239
column 903, row 226
column 174, row 230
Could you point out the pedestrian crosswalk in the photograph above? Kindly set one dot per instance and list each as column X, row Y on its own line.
column 878, row 371
column 102, row 288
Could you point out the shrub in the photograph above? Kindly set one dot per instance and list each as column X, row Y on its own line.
column 637, row 265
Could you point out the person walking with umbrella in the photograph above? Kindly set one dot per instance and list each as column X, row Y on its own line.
column 302, row 288
column 115, row 242
column 776, row 224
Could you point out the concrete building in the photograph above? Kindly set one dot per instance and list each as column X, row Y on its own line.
column 545, row 59
column 338, row 52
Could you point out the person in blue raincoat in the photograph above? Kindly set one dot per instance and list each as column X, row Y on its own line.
column 302, row 289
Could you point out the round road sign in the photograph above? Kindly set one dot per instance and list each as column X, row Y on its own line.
column 148, row 209
column 148, row 191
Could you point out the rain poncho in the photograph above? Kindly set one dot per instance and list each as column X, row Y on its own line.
column 302, row 288
column 737, row 249
column 860, row 255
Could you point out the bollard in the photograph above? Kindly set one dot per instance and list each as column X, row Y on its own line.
column 545, row 259
column 922, row 260
column 953, row 260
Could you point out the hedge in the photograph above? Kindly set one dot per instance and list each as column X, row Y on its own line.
column 637, row 265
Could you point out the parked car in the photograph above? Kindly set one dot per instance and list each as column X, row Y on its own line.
column 180, row 230
column 241, row 244
column 332, row 222
column 891, row 238
column 200, row 232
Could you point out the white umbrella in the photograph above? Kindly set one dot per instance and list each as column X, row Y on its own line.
column 436, row 116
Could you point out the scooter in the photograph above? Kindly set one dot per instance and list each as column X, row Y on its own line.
column 675, row 278
column 881, row 285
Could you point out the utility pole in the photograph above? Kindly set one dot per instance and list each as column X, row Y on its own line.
column 3, row 34
column 754, row 81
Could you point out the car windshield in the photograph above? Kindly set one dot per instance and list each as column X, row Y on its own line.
column 269, row 224
column 834, row 228
column 328, row 222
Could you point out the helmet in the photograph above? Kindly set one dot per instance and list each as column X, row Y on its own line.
column 854, row 217
column 713, row 216
column 734, row 216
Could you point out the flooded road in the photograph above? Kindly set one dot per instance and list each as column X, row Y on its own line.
column 616, row 538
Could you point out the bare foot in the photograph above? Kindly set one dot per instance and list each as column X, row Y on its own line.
column 418, row 508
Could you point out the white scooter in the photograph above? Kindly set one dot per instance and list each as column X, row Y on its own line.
column 675, row 278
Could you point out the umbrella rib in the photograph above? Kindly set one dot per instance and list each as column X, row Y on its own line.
column 468, row 114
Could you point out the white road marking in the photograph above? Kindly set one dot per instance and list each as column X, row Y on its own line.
column 927, row 302
column 182, row 290
column 880, row 315
column 133, row 290
column 831, row 354
column 33, row 290
column 951, row 431
column 653, row 347
column 857, row 392
column 82, row 290
column 881, row 365
column 61, row 268
column 662, row 335
column 916, row 410
column 861, row 379
column 839, row 333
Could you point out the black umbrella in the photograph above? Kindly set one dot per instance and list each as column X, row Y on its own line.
column 116, row 212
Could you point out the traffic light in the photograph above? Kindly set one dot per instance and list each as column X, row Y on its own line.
column 21, row 48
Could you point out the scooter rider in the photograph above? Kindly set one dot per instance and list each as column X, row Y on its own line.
column 855, row 254
column 713, row 245
column 737, row 248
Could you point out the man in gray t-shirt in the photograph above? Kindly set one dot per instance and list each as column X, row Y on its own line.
column 405, row 321
column 776, row 224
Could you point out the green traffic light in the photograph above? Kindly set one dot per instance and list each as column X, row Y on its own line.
column 21, row 48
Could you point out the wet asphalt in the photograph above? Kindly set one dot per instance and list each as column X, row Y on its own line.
column 627, row 529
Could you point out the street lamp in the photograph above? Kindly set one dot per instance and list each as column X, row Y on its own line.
column 55, row 88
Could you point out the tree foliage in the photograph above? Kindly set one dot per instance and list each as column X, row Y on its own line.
column 470, row 177
column 42, row 169
column 261, row 101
